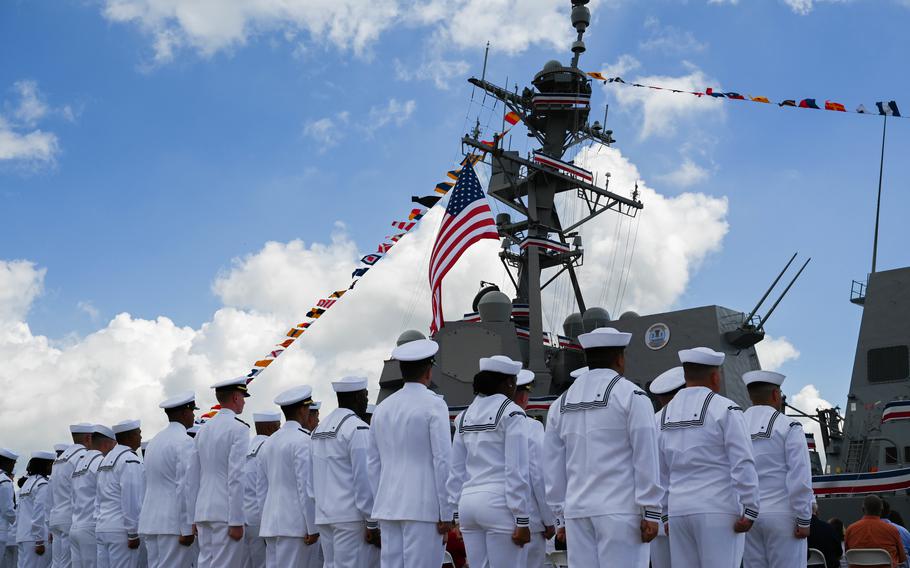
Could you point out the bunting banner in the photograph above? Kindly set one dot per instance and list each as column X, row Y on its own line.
column 882, row 108
column 896, row 410
column 860, row 483
column 810, row 441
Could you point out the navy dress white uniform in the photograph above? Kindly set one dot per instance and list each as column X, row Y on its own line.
column 7, row 509
column 708, row 469
column 490, row 485
column 216, row 468
column 83, row 542
column 166, row 515
column 121, row 487
column 31, row 523
column 255, row 486
column 410, row 452
column 288, row 514
column 603, row 419
column 61, row 497
column 541, row 514
column 667, row 382
column 341, row 484
column 785, row 484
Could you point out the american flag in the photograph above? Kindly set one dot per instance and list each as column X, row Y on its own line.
column 467, row 220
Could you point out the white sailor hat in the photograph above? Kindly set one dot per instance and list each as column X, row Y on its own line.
column 81, row 428
column 604, row 337
column 500, row 364
column 104, row 431
column 668, row 381
column 316, row 405
column 267, row 416
column 126, row 426
column 237, row 383
column 192, row 430
column 702, row 356
column 578, row 372
column 61, row 447
column 42, row 455
column 295, row 395
column 525, row 377
column 371, row 408
column 417, row 350
column 350, row 384
column 186, row 398
column 763, row 377
column 8, row 454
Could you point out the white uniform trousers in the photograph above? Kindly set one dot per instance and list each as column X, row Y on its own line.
column 7, row 556
column 705, row 540
column 371, row 557
column 660, row 552
column 344, row 545
column 282, row 551
column 770, row 543
column 61, row 546
column 113, row 551
column 216, row 548
column 606, row 540
column 165, row 551
column 28, row 558
column 83, row 548
column 493, row 549
column 537, row 550
column 487, row 526
column 312, row 555
column 410, row 544
column 255, row 547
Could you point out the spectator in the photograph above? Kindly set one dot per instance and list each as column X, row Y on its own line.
column 872, row 532
column 825, row 538
column 905, row 534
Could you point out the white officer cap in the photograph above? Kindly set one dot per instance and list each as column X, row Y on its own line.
column 763, row 377
column 42, row 455
column 267, row 416
column 8, row 454
column 668, row 381
column 237, row 383
column 81, row 428
column 316, row 405
column 295, row 395
column 500, row 364
column 578, row 372
column 104, row 431
column 604, row 337
column 702, row 356
column 61, row 447
column 183, row 399
column 525, row 377
column 350, row 384
column 371, row 408
column 417, row 350
column 126, row 426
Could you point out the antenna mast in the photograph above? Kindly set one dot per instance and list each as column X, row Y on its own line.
column 878, row 203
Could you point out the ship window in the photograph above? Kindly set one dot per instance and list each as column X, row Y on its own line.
column 888, row 364
column 906, row 454
column 890, row 454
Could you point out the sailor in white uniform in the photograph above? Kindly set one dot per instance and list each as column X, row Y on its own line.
column 490, row 480
column 216, row 468
column 312, row 421
column 12, row 547
column 707, row 468
column 255, row 486
column 288, row 516
column 7, row 504
column 166, row 523
column 121, row 487
column 543, row 521
column 410, row 452
column 778, row 539
column 664, row 388
column 341, row 484
column 31, row 524
column 83, row 542
column 611, row 511
column 61, row 494
column 368, row 415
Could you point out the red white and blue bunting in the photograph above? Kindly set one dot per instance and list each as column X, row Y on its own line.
column 859, row 483
column 896, row 410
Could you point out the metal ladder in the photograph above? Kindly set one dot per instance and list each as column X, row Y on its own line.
column 855, row 452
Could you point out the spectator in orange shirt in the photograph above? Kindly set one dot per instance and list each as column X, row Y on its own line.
column 872, row 532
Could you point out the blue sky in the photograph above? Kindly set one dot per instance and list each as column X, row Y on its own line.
column 171, row 163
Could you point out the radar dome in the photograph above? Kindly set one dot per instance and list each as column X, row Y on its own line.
column 552, row 65
column 629, row 315
column 594, row 318
column 494, row 307
column 409, row 336
column 573, row 326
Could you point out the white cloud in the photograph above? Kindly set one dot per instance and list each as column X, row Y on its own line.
column 330, row 130
column 394, row 112
column 669, row 39
column 327, row 131
column 808, row 400
column 774, row 352
column 32, row 106
column 801, row 7
column 686, row 175
column 624, row 63
column 664, row 112
column 20, row 139
column 20, row 283
column 89, row 309
column 437, row 69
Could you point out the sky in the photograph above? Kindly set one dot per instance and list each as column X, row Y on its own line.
column 181, row 181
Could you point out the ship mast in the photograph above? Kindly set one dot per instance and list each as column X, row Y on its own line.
column 555, row 112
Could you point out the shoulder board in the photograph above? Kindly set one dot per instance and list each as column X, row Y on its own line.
column 734, row 407
column 237, row 418
column 363, row 427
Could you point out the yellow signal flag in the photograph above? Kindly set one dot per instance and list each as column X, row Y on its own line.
column 263, row 363
column 759, row 99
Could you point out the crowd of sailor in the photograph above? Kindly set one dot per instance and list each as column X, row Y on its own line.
column 701, row 483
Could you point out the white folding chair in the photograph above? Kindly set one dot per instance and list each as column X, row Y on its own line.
column 816, row 558
column 868, row 557
column 447, row 560
column 558, row 559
